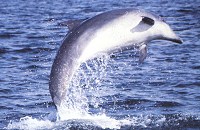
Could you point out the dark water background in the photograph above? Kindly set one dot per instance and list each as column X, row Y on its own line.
column 161, row 93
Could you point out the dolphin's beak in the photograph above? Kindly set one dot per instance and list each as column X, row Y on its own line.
column 175, row 39
column 170, row 35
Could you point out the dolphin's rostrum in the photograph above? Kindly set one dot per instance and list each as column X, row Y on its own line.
column 107, row 32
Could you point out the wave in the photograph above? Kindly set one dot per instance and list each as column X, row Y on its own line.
column 175, row 121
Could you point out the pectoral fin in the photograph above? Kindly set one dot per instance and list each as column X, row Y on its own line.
column 142, row 52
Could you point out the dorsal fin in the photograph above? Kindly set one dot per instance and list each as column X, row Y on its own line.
column 144, row 25
column 72, row 23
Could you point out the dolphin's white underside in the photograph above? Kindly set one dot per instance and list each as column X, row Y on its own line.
column 111, row 36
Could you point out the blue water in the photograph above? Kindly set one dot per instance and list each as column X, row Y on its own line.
column 116, row 92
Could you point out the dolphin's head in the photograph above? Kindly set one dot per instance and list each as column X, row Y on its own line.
column 164, row 31
column 161, row 30
column 151, row 27
column 155, row 27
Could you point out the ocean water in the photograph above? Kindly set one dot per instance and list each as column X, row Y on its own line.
column 108, row 92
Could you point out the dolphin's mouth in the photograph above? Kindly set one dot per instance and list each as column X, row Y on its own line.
column 178, row 40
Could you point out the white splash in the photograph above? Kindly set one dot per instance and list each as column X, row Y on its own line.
column 30, row 123
column 86, row 89
column 102, row 121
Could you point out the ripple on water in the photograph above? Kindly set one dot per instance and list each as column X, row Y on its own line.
column 7, row 35
column 167, row 104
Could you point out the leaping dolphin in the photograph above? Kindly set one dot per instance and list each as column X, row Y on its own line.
column 104, row 33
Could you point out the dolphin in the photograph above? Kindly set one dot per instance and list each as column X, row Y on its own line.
column 108, row 32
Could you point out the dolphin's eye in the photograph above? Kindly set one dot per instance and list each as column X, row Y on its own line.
column 148, row 20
